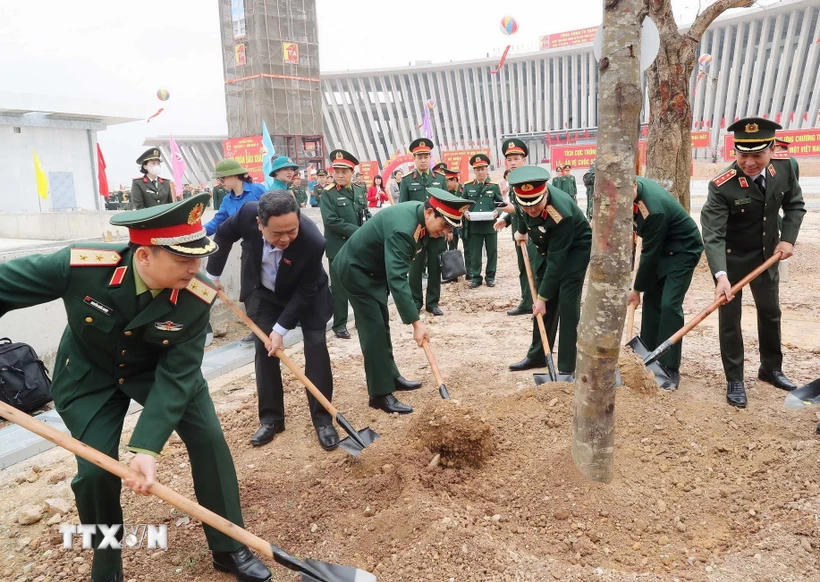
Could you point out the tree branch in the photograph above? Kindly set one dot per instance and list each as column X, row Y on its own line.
column 709, row 15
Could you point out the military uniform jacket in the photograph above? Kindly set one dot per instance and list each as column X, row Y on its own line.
column 669, row 234
column 379, row 254
column 300, row 194
column 414, row 186
column 740, row 222
column 485, row 196
column 567, row 184
column 218, row 196
column 562, row 234
column 154, row 354
column 145, row 195
column 344, row 210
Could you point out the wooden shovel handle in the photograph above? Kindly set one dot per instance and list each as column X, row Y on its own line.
column 432, row 360
column 531, row 278
column 291, row 365
column 722, row 299
column 630, row 311
column 122, row 471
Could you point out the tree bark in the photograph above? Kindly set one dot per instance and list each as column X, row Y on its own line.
column 669, row 143
column 602, row 317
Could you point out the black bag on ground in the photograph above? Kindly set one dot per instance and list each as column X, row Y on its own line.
column 452, row 265
column 24, row 381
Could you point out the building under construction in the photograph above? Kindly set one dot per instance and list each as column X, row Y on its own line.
column 270, row 55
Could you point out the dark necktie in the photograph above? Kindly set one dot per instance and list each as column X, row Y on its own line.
column 760, row 186
column 154, row 182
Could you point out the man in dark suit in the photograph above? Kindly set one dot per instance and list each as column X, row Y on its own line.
column 283, row 283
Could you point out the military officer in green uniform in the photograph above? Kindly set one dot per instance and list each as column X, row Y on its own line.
column 219, row 193
column 150, row 190
column 374, row 262
column 566, row 181
column 454, row 188
column 440, row 169
column 299, row 191
column 561, row 234
column 137, row 315
column 414, row 187
column 344, row 210
column 486, row 196
column 739, row 225
column 671, row 251
column 515, row 153
column 589, row 182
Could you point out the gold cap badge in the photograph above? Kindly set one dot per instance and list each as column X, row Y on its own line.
column 527, row 187
column 340, row 156
column 752, row 128
column 196, row 213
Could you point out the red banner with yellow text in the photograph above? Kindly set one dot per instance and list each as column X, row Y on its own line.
column 369, row 171
column 460, row 160
column 700, row 139
column 568, row 38
column 805, row 143
column 582, row 155
column 248, row 152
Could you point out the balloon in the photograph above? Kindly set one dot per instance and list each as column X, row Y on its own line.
column 705, row 60
column 509, row 25
column 163, row 95
column 431, row 103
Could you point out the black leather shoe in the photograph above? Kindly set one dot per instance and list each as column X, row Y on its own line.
column 490, row 282
column 342, row 334
column 118, row 577
column 266, row 433
column 248, row 339
column 776, row 378
column 448, row 281
column 435, row 311
column 475, row 283
column 402, row 383
column 328, row 437
column 736, row 394
column 390, row 404
column 528, row 364
column 519, row 311
column 468, row 278
column 242, row 564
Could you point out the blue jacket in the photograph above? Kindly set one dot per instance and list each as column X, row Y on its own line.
column 278, row 185
column 232, row 203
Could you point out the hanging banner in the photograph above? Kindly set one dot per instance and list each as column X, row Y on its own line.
column 239, row 55
column 804, row 143
column 369, row 170
column 582, row 156
column 460, row 160
column 568, row 38
column 248, row 152
column 290, row 53
column 700, row 139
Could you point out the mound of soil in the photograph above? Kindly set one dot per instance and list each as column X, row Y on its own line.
column 455, row 432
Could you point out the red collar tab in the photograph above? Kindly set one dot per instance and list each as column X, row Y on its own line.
column 118, row 277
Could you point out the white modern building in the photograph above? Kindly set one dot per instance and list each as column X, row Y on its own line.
column 765, row 61
column 63, row 133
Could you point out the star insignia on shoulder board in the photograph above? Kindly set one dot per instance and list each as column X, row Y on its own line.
column 98, row 258
column 194, row 286
column 83, row 257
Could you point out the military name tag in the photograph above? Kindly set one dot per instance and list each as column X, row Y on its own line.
column 742, row 201
column 97, row 305
column 168, row 326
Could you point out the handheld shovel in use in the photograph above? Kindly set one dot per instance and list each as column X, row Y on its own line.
column 808, row 395
column 442, row 389
column 662, row 376
column 676, row 337
column 310, row 570
column 553, row 376
column 356, row 441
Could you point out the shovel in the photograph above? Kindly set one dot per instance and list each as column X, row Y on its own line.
column 676, row 337
column 808, row 395
column 442, row 389
column 540, row 378
column 357, row 440
column 311, row 570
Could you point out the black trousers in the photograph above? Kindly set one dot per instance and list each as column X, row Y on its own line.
column 264, row 309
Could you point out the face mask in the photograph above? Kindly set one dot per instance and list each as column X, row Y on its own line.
column 154, row 170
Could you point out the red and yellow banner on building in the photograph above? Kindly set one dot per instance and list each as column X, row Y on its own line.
column 805, row 143
column 460, row 160
column 369, row 171
column 568, row 38
column 290, row 53
column 582, row 155
column 700, row 139
column 248, row 152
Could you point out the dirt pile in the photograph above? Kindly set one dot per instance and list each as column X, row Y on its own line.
column 633, row 372
column 456, row 432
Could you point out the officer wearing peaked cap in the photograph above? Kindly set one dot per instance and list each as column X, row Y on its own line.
column 440, row 168
column 414, row 186
column 149, row 189
column 344, row 211
column 487, row 197
column 374, row 262
column 740, row 232
column 137, row 315
column 454, row 188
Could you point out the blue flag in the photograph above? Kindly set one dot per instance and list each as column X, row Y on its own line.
column 268, row 153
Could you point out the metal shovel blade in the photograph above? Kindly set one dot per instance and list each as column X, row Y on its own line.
column 808, row 395
column 662, row 376
column 337, row 573
column 367, row 435
column 442, row 389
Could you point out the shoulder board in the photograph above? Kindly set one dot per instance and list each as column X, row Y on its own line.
column 771, row 170
column 780, row 156
column 493, row 182
column 420, row 232
column 643, row 209
column 202, row 290
column 330, row 186
column 554, row 214
column 743, row 181
column 94, row 258
column 724, row 177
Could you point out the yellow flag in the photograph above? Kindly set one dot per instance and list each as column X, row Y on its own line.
column 41, row 178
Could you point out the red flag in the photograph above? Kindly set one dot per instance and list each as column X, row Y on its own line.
column 101, row 177
column 806, row 116
column 791, row 116
column 736, row 117
column 765, row 116
column 501, row 62
column 586, row 133
column 160, row 110
column 777, row 117
column 709, row 123
column 722, row 123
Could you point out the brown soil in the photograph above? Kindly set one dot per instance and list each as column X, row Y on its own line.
column 702, row 491
column 634, row 374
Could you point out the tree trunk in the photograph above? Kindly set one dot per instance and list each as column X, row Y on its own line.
column 602, row 318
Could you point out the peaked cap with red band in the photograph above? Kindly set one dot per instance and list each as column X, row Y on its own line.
column 514, row 146
column 175, row 227
column 529, row 184
column 421, row 145
column 450, row 208
column 343, row 159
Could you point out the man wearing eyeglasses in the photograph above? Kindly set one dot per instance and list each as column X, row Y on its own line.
column 282, row 283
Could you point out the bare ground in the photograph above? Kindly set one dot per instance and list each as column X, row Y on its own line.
column 702, row 491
